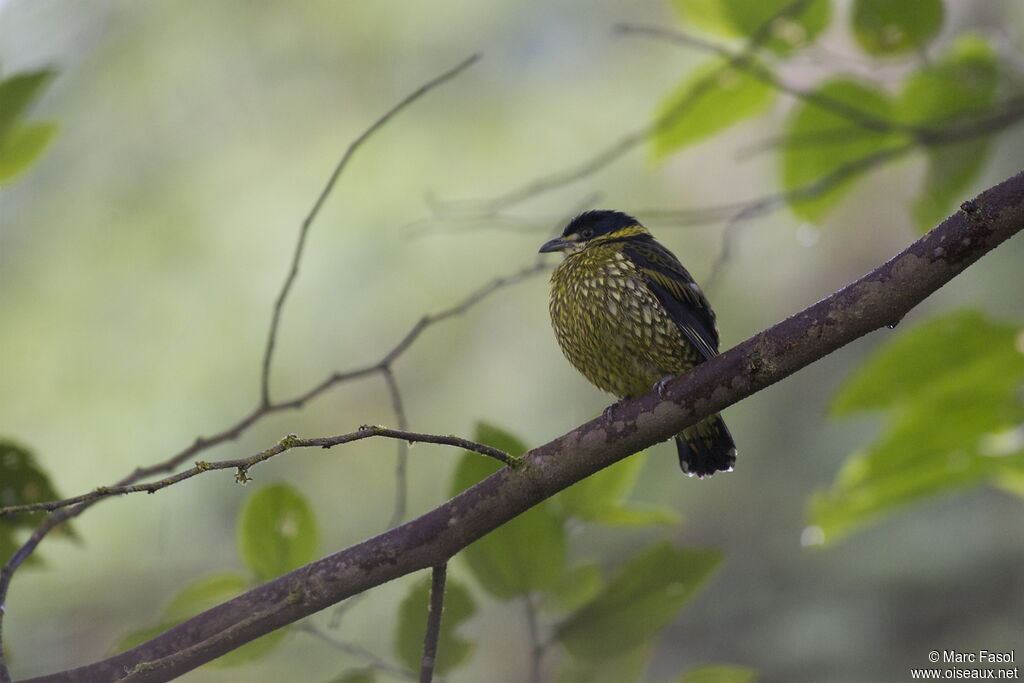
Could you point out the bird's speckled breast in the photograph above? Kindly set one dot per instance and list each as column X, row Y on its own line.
column 609, row 324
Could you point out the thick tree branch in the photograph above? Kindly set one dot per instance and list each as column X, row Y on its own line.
column 880, row 298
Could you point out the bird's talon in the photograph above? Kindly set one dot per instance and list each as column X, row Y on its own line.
column 606, row 414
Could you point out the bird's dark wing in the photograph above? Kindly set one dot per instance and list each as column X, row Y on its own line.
column 684, row 301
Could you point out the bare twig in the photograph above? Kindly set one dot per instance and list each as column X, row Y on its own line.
column 631, row 140
column 536, row 645
column 402, row 460
column 759, row 206
column 373, row 661
column 438, row 575
column 853, row 114
column 304, row 228
column 877, row 300
column 243, row 465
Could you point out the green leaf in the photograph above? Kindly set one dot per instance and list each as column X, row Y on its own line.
column 411, row 627
column 197, row 597
column 743, row 18
column 890, row 27
column 575, row 587
column 820, row 144
column 276, row 531
column 209, row 592
column 952, row 169
column 916, row 360
column 599, row 492
column 952, row 388
column 523, row 555
column 16, row 94
column 1012, row 481
column 22, row 480
column 961, row 83
column 203, row 594
column 709, row 99
column 598, row 498
column 637, row 515
column 21, row 146
column 719, row 673
column 643, row 596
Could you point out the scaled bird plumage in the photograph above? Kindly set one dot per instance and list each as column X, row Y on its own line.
column 627, row 315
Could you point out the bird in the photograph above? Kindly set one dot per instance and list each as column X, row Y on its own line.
column 628, row 316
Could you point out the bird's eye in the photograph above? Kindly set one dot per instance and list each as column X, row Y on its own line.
column 587, row 233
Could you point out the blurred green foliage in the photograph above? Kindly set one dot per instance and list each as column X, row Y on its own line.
column 276, row 533
column 22, row 481
column 811, row 128
column 690, row 116
column 411, row 626
column 21, row 143
column 963, row 81
column 885, row 28
column 951, row 388
column 164, row 221
column 498, row 560
column 719, row 673
column 636, row 603
column 743, row 19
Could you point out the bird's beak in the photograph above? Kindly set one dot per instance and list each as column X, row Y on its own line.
column 557, row 244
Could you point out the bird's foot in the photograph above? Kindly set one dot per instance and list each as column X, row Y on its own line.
column 661, row 384
column 607, row 412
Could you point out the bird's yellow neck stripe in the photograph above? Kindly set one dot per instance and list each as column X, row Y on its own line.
column 623, row 233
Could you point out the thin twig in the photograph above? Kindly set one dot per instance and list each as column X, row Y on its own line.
column 402, row 461
column 762, row 205
column 438, row 576
column 471, row 300
column 342, row 608
column 373, row 661
column 536, row 646
column 853, row 114
column 243, row 465
column 626, row 143
column 293, row 271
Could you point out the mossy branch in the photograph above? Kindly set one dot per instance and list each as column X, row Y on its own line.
column 242, row 465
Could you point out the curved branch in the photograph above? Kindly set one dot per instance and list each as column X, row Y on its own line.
column 243, row 465
column 293, row 271
column 615, row 150
column 880, row 298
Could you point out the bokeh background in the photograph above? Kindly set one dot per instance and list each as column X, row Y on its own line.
column 140, row 257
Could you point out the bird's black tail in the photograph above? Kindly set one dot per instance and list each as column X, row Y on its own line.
column 705, row 448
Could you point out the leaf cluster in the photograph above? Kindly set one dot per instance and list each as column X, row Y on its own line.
column 845, row 126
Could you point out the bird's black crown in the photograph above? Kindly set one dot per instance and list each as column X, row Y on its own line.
column 599, row 223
